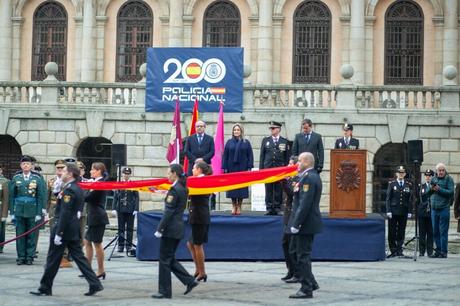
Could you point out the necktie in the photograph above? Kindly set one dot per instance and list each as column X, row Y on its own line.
column 400, row 184
column 199, row 139
column 346, row 142
column 308, row 138
column 275, row 140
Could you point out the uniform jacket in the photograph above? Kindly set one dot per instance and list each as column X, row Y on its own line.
column 193, row 150
column 27, row 197
column 457, row 206
column 95, row 200
column 424, row 206
column 126, row 201
column 274, row 155
column 199, row 209
column 288, row 187
column 314, row 146
column 445, row 196
column 67, row 224
column 305, row 214
column 172, row 224
column 352, row 145
column 399, row 199
column 4, row 197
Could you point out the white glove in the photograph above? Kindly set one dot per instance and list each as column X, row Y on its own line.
column 78, row 214
column 409, row 215
column 43, row 211
column 57, row 240
column 389, row 215
column 38, row 218
column 13, row 218
column 158, row 234
column 114, row 213
column 3, row 219
column 47, row 217
column 294, row 230
column 134, row 213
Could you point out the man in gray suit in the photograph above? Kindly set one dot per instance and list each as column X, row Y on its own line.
column 304, row 223
column 309, row 141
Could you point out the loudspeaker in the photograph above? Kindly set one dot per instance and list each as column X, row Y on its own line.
column 415, row 151
column 119, row 154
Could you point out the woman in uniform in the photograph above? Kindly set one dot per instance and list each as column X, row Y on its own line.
column 199, row 219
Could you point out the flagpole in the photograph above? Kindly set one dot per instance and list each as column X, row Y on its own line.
column 178, row 151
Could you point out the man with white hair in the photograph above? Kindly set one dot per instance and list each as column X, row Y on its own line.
column 441, row 196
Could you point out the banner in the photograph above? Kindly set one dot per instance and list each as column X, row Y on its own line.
column 209, row 75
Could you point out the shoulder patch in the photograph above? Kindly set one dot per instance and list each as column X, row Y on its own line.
column 306, row 187
column 67, row 198
column 169, row 198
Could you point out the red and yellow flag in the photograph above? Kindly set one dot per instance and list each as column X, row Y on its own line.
column 203, row 184
column 192, row 129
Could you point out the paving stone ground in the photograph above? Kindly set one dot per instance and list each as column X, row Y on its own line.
column 396, row 281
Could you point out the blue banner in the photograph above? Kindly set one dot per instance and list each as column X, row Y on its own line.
column 209, row 75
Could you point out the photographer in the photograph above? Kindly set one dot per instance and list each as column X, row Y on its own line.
column 441, row 196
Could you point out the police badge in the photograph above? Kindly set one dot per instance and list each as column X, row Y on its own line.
column 306, row 187
column 169, row 199
column 67, row 198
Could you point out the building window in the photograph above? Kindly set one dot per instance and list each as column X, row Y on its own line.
column 49, row 40
column 312, row 43
column 221, row 25
column 134, row 36
column 404, row 44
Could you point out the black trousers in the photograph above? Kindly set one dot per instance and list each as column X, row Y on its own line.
column 2, row 233
column 167, row 264
column 425, row 230
column 290, row 258
column 273, row 196
column 55, row 253
column 125, row 230
column 396, row 233
column 301, row 247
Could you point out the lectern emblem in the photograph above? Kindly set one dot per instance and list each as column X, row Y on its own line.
column 347, row 177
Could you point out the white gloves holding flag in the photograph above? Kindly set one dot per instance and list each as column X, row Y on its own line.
column 294, row 230
column 158, row 234
column 135, row 213
column 38, row 218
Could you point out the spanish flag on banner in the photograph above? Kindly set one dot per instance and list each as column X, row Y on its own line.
column 203, row 184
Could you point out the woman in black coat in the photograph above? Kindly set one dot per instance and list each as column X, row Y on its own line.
column 237, row 157
column 199, row 219
column 97, row 220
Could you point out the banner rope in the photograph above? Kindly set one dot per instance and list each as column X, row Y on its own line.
column 33, row 229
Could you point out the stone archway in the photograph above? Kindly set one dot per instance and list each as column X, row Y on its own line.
column 96, row 149
column 386, row 160
column 10, row 155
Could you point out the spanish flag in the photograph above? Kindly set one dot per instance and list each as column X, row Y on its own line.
column 204, row 184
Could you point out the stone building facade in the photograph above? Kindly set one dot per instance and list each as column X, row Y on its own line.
column 87, row 109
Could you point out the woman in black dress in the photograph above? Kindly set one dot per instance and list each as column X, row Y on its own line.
column 97, row 220
column 199, row 219
column 237, row 157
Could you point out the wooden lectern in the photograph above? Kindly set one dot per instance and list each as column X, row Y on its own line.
column 348, row 184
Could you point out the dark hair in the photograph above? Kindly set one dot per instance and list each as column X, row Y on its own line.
column 179, row 171
column 99, row 166
column 307, row 121
column 73, row 168
column 294, row 158
column 205, row 168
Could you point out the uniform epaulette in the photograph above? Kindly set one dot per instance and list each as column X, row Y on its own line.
column 17, row 175
column 391, row 181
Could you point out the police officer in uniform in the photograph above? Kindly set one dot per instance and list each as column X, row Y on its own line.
column 27, row 199
column 347, row 141
column 3, row 206
column 424, row 217
column 274, row 152
column 66, row 234
column 399, row 208
column 126, row 206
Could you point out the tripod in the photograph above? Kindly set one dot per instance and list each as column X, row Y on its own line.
column 415, row 202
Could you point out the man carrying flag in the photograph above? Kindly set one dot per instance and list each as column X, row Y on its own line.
column 175, row 141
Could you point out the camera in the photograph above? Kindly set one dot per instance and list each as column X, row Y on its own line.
column 434, row 181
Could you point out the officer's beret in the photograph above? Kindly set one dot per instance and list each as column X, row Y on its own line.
column 274, row 124
column 26, row 158
column 348, row 127
column 127, row 170
column 429, row 172
column 401, row 169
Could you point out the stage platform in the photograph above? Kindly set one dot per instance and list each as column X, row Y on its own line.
column 254, row 236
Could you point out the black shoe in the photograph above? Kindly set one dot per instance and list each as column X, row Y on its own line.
column 20, row 262
column 421, row 254
column 160, row 296
column 292, row 280
column 442, row 255
column 120, row 250
column 29, row 262
column 315, row 287
column 288, row 276
column 435, row 255
column 40, row 292
column 93, row 290
column 190, row 286
column 301, row 295
column 102, row 275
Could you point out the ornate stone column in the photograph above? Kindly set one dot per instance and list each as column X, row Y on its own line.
column 100, row 34
column 88, row 46
column 277, row 31
column 77, row 49
column 357, row 37
column 16, row 48
column 176, row 30
column 450, row 50
column 5, row 40
column 265, row 47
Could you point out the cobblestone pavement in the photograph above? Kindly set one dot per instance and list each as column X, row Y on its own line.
column 396, row 281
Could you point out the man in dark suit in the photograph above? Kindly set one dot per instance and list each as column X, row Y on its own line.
column 274, row 152
column 347, row 141
column 199, row 146
column 66, row 234
column 399, row 208
column 305, row 222
column 424, row 216
column 309, row 141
